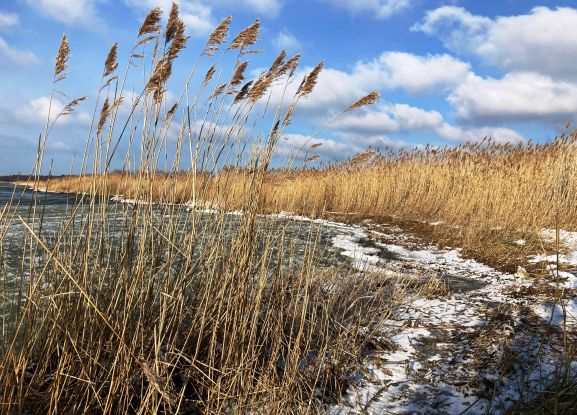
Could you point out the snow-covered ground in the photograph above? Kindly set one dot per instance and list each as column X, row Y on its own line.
column 495, row 339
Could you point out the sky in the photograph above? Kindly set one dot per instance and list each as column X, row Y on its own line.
column 448, row 71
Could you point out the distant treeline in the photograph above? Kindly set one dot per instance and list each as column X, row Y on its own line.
column 24, row 177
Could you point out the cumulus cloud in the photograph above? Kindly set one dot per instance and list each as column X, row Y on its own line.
column 8, row 20
column 199, row 15
column 286, row 40
column 68, row 11
column 9, row 53
column 542, row 41
column 415, row 73
column 518, row 96
column 337, row 89
column 402, row 118
column 36, row 112
column 384, row 126
column 297, row 147
column 381, row 9
column 20, row 57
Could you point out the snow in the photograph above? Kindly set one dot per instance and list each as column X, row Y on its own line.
column 363, row 257
column 446, row 349
column 567, row 239
column 558, row 314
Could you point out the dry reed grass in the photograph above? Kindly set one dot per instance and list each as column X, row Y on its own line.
column 477, row 186
column 152, row 309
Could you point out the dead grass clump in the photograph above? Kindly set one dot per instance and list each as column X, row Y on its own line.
column 159, row 307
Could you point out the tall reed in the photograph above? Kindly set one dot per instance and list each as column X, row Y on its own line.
column 153, row 308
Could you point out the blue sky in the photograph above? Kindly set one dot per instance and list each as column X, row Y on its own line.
column 448, row 71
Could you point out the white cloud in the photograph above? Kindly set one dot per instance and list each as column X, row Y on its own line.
column 415, row 73
column 381, row 9
column 68, row 11
column 8, row 20
column 36, row 112
column 518, row 96
column 199, row 15
column 9, row 53
column 59, row 146
column 297, row 147
column 498, row 134
column 286, row 40
column 403, row 118
column 336, row 89
column 543, row 41
column 20, row 57
column 198, row 26
column 267, row 7
column 386, row 119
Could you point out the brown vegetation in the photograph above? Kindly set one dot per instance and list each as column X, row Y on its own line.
column 148, row 309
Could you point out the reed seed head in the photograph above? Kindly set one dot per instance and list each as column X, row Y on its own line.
column 111, row 60
column 209, row 74
column 310, row 80
column 218, row 36
column 171, row 25
column 242, row 94
column 290, row 65
column 366, row 100
column 62, row 57
column 260, row 87
column 246, row 37
column 179, row 39
column 219, row 90
column 238, row 75
column 150, row 24
column 277, row 63
column 103, row 116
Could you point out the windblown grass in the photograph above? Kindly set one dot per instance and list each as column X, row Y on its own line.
column 152, row 308
column 526, row 186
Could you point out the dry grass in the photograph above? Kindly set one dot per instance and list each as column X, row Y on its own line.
column 476, row 187
column 153, row 309
column 156, row 309
column 522, row 187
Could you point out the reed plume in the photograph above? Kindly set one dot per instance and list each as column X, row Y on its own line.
column 243, row 93
column 218, row 36
column 150, row 24
column 247, row 37
column 103, row 116
column 62, row 58
column 238, row 75
column 209, row 74
column 171, row 25
column 277, row 63
column 111, row 63
column 290, row 65
column 366, row 100
column 310, row 80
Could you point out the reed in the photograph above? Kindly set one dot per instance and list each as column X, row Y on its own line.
column 153, row 308
column 475, row 185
